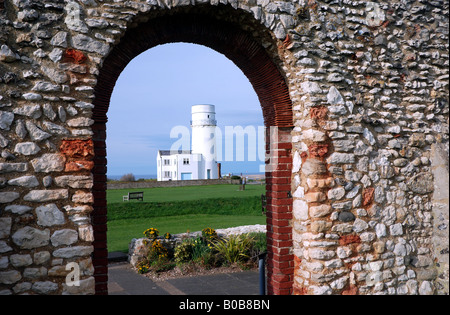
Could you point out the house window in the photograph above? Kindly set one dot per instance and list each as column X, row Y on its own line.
column 186, row 161
column 166, row 162
column 167, row 174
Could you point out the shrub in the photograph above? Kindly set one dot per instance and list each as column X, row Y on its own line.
column 151, row 233
column 207, row 250
column 223, row 206
column 143, row 266
column 158, row 258
column 235, row 248
column 158, row 251
column 199, row 249
column 159, row 255
column 183, row 252
column 128, row 178
column 259, row 243
column 158, row 265
column 195, row 251
column 161, row 265
column 209, row 235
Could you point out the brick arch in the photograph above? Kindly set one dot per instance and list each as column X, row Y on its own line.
column 269, row 84
column 235, row 44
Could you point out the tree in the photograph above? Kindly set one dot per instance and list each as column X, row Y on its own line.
column 128, row 178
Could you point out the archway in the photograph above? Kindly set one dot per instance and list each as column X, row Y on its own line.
column 266, row 78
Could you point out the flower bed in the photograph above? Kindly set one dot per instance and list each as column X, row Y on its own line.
column 206, row 249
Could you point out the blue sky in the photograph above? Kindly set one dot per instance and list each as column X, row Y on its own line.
column 155, row 93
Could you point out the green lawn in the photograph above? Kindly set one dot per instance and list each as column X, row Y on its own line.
column 163, row 194
column 180, row 209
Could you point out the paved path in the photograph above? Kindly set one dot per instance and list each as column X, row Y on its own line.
column 124, row 281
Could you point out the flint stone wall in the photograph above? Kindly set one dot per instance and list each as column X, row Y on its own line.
column 368, row 83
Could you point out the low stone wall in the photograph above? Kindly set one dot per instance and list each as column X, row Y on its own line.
column 138, row 250
column 177, row 183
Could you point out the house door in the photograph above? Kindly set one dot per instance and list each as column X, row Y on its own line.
column 186, row 176
column 208, row 174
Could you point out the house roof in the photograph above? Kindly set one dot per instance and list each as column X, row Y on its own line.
column 172, row 152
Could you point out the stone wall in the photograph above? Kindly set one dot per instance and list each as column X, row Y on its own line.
column 138, row 248
column 358, row 90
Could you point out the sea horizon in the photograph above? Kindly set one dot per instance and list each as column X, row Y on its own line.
column 137, row 176
column 154, row 176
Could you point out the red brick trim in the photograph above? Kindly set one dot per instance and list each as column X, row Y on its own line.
column 280, row 262
column 273, row 93
column 246, row 53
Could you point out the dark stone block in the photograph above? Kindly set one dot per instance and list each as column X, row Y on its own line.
column 345, row 216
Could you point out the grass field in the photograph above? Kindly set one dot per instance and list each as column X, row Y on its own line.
column 164, row 194
column 180, row 209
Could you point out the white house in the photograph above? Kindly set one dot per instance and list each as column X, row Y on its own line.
column 200, row 162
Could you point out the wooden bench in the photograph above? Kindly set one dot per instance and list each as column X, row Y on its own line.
column 134, row 195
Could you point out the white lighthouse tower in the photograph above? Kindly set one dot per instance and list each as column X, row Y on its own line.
column 201, row 161
column 204, row 139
